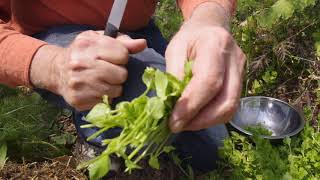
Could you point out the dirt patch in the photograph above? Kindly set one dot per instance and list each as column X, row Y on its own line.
column 60, row 168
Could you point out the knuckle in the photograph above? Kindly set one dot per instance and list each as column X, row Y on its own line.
column 123, row 75
column 123, row 55
column 82, row 43
column 75, row 63
column 87, row 34
column 231, row 105
column 74, row 83
column 214, row 84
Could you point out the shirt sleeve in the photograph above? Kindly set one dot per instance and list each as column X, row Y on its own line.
column 16, row 54
column 187, row 6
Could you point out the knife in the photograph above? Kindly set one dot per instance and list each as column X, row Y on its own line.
column 115, row 18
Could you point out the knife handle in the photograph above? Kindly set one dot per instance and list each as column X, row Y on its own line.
column 111, row 30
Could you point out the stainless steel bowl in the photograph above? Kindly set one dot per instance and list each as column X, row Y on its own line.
column 275, row 115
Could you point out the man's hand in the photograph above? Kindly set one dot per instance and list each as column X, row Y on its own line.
column 213, row 93
column 92, row 66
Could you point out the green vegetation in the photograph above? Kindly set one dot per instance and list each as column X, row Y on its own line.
column 258, row 130
column 296, row 158
column 144, row 123
column 27, row 127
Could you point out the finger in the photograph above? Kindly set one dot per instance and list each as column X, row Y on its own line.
column 133, row 45
column 110, row 73
column 93, row 94
column 222, row 108
column 112, row 91
column 204, row 86
column 84, row 102
column 95, row 47
column 176, row 56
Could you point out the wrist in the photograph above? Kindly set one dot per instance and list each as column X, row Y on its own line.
column 210, row 13
column 43, row 68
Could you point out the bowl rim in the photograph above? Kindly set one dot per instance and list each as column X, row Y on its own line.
column 293, row 133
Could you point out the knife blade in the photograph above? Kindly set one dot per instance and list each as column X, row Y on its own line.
column 115, row 18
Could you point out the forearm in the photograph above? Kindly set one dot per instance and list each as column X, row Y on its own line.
column 188, row 6
column 43, row 67
column 210, row 13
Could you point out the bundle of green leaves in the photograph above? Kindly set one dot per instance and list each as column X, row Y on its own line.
column 27, row 127
column 144, row 123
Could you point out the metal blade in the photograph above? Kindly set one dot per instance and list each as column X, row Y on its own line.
column 116, row 14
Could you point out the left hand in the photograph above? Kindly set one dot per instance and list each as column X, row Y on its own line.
column 213, row 93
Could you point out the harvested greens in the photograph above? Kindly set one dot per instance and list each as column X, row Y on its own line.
column 144, row 123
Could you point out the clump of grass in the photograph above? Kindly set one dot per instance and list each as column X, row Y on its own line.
column 28, row 127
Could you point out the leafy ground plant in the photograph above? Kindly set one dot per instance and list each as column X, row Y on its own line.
column 27, row 127
column 144, row 123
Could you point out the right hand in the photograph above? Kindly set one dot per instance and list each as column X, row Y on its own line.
column 92, row 66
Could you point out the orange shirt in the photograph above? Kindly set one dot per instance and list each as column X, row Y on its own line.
column 20, row 18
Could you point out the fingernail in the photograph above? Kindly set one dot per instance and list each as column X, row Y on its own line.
column 177, row 126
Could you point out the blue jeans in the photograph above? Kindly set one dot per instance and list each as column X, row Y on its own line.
column 200, row 148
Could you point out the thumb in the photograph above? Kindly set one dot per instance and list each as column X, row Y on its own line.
column 176, row 56
column 133, row 45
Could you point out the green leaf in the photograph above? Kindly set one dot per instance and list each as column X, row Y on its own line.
column 98, row 114
column 154, row 162
column 168, row 149
column 3, row 154
column 257, row 87
column 148, row 77
column 161, row 83
column 100, row 167
column 281, row 9
column 187, row 72
column 270, row 77
column 155, row 108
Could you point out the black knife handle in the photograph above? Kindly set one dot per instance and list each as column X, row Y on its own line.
column 111, row 30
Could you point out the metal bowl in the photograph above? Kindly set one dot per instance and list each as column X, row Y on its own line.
column 275, row 115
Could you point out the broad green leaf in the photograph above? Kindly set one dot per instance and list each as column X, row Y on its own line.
column 98, row 114
column 139, row 104
column 302, row 4
column 154, row 162
column 161, row 83
column 155, row 107
column 3, row 154
column 148, row 77
column 100, row 167
column 282, row 8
